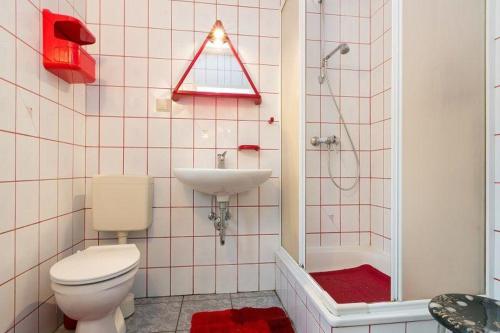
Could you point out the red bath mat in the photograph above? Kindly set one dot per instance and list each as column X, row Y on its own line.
column 359, row 284
column 246, row 320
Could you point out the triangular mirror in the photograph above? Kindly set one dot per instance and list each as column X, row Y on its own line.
column 217, row 70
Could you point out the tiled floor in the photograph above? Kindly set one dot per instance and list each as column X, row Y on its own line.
column 173, row 314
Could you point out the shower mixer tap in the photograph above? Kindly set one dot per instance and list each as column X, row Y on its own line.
column 332, row 143
column 329, row 140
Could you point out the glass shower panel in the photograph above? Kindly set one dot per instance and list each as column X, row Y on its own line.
column 348, row 174
column 290, row 127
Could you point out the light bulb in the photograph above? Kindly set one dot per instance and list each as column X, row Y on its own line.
column 218, row 35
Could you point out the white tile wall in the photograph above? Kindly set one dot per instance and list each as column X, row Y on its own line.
column 380, row 127
column 46, row 116
column 141, row 54
column 42, row 144
column 362, row 215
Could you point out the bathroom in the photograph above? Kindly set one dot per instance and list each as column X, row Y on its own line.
column 337, row 167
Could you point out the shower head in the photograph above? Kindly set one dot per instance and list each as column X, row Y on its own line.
column 343, row 48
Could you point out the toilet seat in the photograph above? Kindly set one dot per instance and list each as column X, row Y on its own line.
column 95, row 264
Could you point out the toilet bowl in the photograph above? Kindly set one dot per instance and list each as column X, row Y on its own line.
column 90, row 285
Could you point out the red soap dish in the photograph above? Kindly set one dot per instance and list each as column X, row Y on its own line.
column 249, row 147
column 63, row 55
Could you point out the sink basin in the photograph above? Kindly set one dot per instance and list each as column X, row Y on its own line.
column 222, row 182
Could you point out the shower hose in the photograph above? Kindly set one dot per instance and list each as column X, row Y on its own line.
column 341, row 118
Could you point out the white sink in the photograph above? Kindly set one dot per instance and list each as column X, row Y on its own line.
column 222, row 182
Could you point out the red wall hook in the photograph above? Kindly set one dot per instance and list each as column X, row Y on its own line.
column 271, row 120
column 63, row 55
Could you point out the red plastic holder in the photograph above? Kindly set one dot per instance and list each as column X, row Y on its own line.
column 63, row 55
column 249, row 147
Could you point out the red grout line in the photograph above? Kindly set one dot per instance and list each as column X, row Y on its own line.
column 370, row 128
column 37, row 94
column 183, row 118
column 259, row 164
column 41, row 221
column 359, row 129
column 171, row 137
column 381, row 67
column 55, row 256
column 15, row 177
column 99, row 81
column 147, row 140
column 110, row 55
column 322, row 35
column 358, row 69
column 193, row 157
column 39, row 199
column 341, row 129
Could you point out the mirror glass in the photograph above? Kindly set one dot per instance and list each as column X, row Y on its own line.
column 217, row 70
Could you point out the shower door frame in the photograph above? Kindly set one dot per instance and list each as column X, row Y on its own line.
column 301, row 131
column 302, row 135
column 490, row 151
column 395, row 151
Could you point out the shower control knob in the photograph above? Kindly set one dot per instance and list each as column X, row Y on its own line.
column 329, row 140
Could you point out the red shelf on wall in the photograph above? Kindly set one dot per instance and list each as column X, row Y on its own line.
column 217, row 28
column 63, row 55
column 249, row 147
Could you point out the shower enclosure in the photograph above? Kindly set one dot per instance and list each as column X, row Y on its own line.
column 348, row 218
column 358, row 158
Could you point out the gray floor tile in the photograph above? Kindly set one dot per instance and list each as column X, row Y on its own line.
column 190, row 307
column 257, row 302
column 173, row 314
column 206, row 297
column 156, row 317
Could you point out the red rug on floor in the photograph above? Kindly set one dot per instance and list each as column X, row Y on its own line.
column 246, row 320
column 359, row 284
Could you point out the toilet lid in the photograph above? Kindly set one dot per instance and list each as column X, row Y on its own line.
column 95, row 264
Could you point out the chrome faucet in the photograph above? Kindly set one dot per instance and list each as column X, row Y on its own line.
column 328, row 140
column 221, row 160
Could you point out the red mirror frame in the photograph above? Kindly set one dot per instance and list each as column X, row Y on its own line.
column 177, row 93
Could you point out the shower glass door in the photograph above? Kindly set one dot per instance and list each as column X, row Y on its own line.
column 347, row 171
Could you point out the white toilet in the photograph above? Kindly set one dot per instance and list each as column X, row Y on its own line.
column 90, row 285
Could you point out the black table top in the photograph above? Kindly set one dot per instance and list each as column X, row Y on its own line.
column 462, row 313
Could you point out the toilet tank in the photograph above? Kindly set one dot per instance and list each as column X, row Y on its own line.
column 122, row 203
